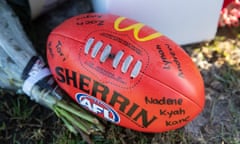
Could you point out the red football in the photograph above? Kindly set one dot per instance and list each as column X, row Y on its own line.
column 125, row 72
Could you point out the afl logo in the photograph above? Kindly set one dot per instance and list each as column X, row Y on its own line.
column 98, row 107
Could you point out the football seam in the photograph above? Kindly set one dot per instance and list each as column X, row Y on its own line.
column 140, row 78
column 171, row 88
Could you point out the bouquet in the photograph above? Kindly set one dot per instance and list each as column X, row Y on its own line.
column 230, row 13
column 22, row 70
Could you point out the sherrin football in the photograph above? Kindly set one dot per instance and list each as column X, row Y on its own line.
column 125, row 72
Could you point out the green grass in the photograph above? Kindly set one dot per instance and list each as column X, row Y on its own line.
column 223, row 83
